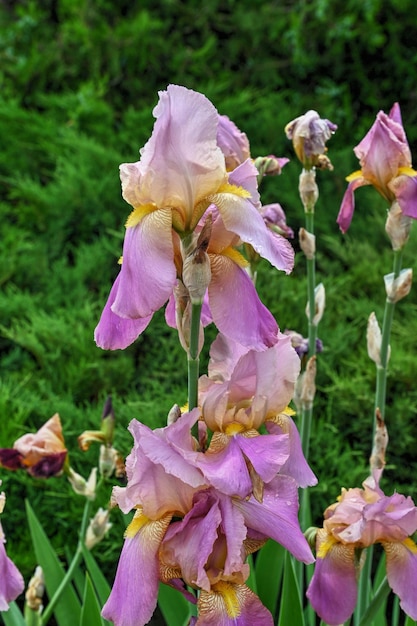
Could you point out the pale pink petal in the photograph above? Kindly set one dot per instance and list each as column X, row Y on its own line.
column 114, row 332
column 148, row 272
column 277, row 516
column 189, row 543
column 235, row 306
column 402, row 574
column 227, row 470
column 347, row 208
column 267, row 453
column 181, row 163
column 214, row 607
column 333, row 589
column 233, row 143
column 133, row 597
column 224, row 354
column 296, row 465
column 242, row 216
column 235, row 531
column 405, row 191
column 11, row 580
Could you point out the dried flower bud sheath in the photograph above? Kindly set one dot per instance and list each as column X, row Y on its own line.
column 307, row 243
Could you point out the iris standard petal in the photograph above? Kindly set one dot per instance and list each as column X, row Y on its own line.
column 402, row 573
column 148, row 272
column 404, row 188
column 236, row 308
column 333, row 589
column 114, row 332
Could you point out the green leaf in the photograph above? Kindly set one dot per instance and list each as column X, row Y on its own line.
column 410, row 622
column 174, row 607
column 269, row 567
column 251, row 581
column 291, row 611
column 13, row 617
column 90, row 612
column 68, row 609
column 100, row 583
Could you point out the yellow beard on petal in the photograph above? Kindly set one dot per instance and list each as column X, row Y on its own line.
column 139, row 520
column 229, row 596
column 138, row 213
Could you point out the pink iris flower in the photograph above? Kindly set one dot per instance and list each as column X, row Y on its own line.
column 11, row 580
column 385, row 160
column 180, row 174
column 245, row 389
column 360, row 518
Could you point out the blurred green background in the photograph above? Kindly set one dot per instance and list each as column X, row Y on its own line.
column 78, row 82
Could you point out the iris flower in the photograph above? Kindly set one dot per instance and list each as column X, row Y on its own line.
column 11, row 580
column 360, row 518
column 42, row 454
column 385, row 160
column 180, row 174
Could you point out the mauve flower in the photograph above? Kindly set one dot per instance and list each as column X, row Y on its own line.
column 11, row 580
column 309, row 134
column 233, row 143
column 359, row 519
column 42, row 454
column 181, row 173
column 385, row 160
column 275, row 218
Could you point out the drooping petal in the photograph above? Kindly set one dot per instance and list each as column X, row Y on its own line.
column 277, row 516
column 148, row 272
column 227, row 470
column 233, row 143
column 11, row 580
column 235, row 532
column 11, row 459
column 133, row 597
column 347, row 207
column 228, row 604
column 333, row 589
column 242, row 216
column 296, row 465
column 236, row 308
column 402, row 573
column 267, row 453
column 181, row 163
column 114, row 332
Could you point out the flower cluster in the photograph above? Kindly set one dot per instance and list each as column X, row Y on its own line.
column 361, row 518
column 182, row 180
column 201, row 509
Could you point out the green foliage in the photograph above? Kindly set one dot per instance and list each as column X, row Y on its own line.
column 78, row 80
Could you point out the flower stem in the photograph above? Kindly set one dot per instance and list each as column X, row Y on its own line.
column 311, row 285
column 194, row 361
column 381, row 375
column 47, row 614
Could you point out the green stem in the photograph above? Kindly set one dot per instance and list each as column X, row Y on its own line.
column 311, row 285
column 380, row 596
column 364, row 588
column 47, row 614
column 194, row 361
column 381, row 375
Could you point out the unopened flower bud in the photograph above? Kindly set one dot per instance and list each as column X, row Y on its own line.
column 2, row 500
column 97, row 529
column 81, row 486
column 398, row 288
column 309, row 134
column 174, row 414
column 107, row 461
column 309, row 191
column 196, row 271
column 320, row 303
column 307, row 243
column 397, row 226
column 270, row 165
column 305, row 388
column 377, row 459
column 374, row 339
column 35, row 591
column 310, row 534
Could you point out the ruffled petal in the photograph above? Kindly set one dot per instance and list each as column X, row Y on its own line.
column 114, row 332
column 402, row 574
column 348, row 203
column 228, row 604
column 235, row 306
column 333, row 589
column 227, row 470
column 133, row 597
column 148, row 272
column 181, row 163
column 277, row 516
column 267, row 453
column 296, row 465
